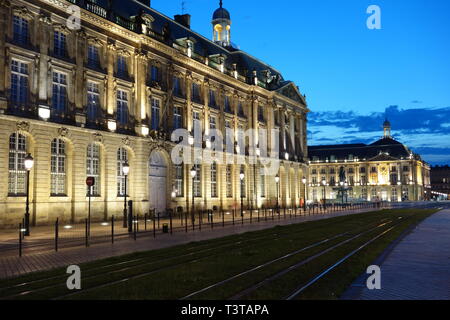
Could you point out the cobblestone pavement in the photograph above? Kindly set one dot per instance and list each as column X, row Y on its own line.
column 415, row 267
column 39, row 260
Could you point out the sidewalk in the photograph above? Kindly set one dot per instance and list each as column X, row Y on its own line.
column 416, row 268
column 38, row 261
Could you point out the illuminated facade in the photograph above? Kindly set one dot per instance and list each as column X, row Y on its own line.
column 384, row 170
column 85, row 99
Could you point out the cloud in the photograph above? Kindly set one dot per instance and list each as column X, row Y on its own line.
column 425, row 130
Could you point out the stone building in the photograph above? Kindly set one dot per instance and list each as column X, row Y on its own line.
column 384, row 170
column 440, row 182
column 87, row 86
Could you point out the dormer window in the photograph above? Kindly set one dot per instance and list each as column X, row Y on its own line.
column 21, row 33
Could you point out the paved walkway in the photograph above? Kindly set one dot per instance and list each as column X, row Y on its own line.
column 13, row 265
column 415, row 268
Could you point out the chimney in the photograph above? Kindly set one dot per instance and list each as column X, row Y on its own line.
column 184, row 19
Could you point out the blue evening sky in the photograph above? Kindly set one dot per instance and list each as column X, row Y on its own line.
column 352, row 76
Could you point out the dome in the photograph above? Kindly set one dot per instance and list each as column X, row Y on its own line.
column 221, row 13
column 386, row 123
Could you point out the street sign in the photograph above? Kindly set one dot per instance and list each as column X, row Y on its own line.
column 90, row 181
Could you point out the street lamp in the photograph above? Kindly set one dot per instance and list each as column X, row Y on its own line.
column 277, row 181
column 28, row 163
column 242, row 176
column 306, row 197
column 324, row 183
column 126, row 171
column 193, row 174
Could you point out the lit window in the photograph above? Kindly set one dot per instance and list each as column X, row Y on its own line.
column 214, row 180
column 19, row 83
column 16, row 166
column 229, row 181
column 93, row 167
column 198, row 181
column 122, row 158
column 58, row 168
column 178, row 183
column 122, row 107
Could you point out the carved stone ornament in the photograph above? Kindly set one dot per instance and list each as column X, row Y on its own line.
column 97, row 137
column 63, row 132
column 126, row 141
column 23, row 126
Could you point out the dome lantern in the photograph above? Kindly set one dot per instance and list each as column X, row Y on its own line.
column 221, row 22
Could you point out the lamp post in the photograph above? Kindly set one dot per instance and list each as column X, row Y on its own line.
column 324, row 183
column 277, row 181
column 126, row 171
column 306, row 196
column 341, row 183
column 28, row 163
column 193, row 174
column 242, row 176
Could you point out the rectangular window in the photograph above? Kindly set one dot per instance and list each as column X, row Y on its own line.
column 177, row 87
column 122, row 159
column 214, row 180
column 241, row 110
column 178, row 183
column 59, row 45
column 122, row 69
column 93, row 56
column 59, row 98
column 394, row 195
column 19, row 82
column 58, row 168
column 198, row 181
column 156, row 111
column 227, row 104
column 261, row 114
column 21, row 30
column 93, row 167
column 122, row 107
column 93, row 101
column 177, row 118
column 212, row 98
column 195, row 94
column 229, row 181
column 212, row 122
column 16, row 166
column 196, row 123
column 154, row 73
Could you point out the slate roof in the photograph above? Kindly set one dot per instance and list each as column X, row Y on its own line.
column 381, row 150
column 246, row 64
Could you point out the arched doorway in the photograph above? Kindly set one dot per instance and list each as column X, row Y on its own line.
column 157, row 182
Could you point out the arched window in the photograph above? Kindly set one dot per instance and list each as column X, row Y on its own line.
column 17, row 172
column 214, row 192
column 122, row 158
column 93, row 167
column 58, row 168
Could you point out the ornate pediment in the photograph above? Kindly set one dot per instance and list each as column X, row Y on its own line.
column 292, row 92
column 383, row 157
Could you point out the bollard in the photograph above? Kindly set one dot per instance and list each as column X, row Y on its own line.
column 145, row 221
column 171, row 225
column 258, row 215
column 56, row 234
column 200, row 220
column 234, row 210
column 154, row 227
column 251, row 214
column 112, row 229
column 186, row 221
column 212, row 220
column 20, row 239
column 130, row 216
column 134, row 228
column 158, row 219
